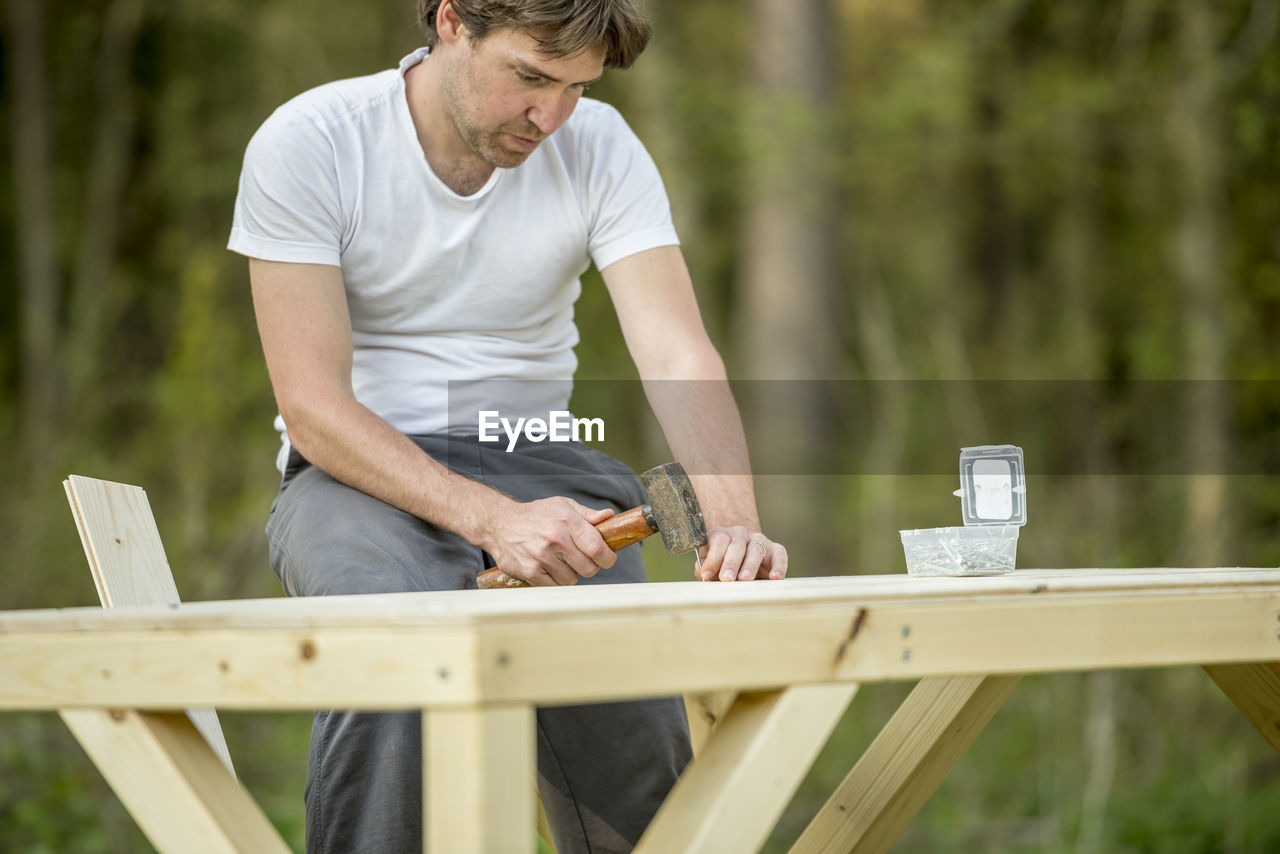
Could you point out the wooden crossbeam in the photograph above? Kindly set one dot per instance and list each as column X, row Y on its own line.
column 903, row 767
column 173, row 784
column 1255, row 689
column 649, row 651
column 705, row 711
column 418, row 650
column 730, row 797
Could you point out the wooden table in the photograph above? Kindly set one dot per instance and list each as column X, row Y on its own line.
column 795, row 651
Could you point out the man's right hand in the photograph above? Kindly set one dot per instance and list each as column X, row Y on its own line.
column 551, row 541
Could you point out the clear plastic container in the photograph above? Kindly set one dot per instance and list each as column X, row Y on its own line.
column 993, row 502
column 959, row 550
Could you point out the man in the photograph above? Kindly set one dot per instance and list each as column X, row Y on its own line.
column 415, row 241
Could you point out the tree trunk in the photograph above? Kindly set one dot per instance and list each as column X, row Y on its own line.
column 37, row 271
column 1194, row 122
column 93, row 313
column 785, row 331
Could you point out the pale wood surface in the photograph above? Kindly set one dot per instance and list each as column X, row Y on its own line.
column 173, row 784
column 128, row 563
column 159, row 764
column 477, row 796
column 121, row 543
column 905, row 764
column 418, row 650
column 459, row 654
column 1255, row 689
column 468, row 607
column 731, row 796
column 705, row 711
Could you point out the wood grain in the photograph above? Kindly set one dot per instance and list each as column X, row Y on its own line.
column 128, row 563
column 903, row 767
column 1255, row 689
column 731, row 796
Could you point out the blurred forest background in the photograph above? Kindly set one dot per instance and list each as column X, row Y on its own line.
column 914, row 226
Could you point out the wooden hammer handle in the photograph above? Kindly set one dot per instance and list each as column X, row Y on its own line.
column 618, row 531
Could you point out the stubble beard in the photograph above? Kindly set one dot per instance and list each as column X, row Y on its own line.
column 483, row 144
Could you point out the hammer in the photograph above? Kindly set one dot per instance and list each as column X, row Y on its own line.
column 672, row 510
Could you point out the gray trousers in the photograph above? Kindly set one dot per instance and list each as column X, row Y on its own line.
column 603, row 770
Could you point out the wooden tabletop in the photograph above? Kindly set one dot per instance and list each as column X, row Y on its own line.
column 550, row 645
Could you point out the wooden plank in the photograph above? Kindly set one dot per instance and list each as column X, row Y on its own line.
column 645, row 655
column 477, row 766
column 731, row 796
column 128, row 563
column 1255, row 689
column 121, row 543
column 903, row 767
column 158, row 764
column 410, row 660
column 370, row 669
column 173, row 784
column 490, row 608
column 864, row 588
column 705, row 710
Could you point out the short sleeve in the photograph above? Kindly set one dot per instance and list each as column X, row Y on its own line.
column 288, row 207
column 626, row 206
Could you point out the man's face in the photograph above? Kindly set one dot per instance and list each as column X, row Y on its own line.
column 504, row 97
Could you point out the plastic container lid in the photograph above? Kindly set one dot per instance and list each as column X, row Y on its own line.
column 993, row 485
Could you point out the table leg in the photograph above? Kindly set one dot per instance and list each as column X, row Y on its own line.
column 478, row 773
column 730, row 796
column 1255, row 689
column 705, row 711
column 173, row 784
column 901, row 769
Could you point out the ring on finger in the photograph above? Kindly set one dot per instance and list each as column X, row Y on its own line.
column 763, row 550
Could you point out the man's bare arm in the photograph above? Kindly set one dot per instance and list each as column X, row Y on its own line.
column 305, row 328
column 685, row 382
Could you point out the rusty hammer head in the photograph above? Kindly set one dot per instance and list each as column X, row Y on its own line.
column 674, row 508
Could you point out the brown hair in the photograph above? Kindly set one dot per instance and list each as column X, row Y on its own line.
column 560, row 27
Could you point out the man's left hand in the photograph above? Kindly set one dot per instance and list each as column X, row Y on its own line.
column 740, row 554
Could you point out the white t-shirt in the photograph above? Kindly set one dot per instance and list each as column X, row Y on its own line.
column 458, row 303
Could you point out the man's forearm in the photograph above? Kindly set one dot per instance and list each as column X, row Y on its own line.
column 545, row 542
column 703, row 428
column 355, row 446
column 688, row 390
